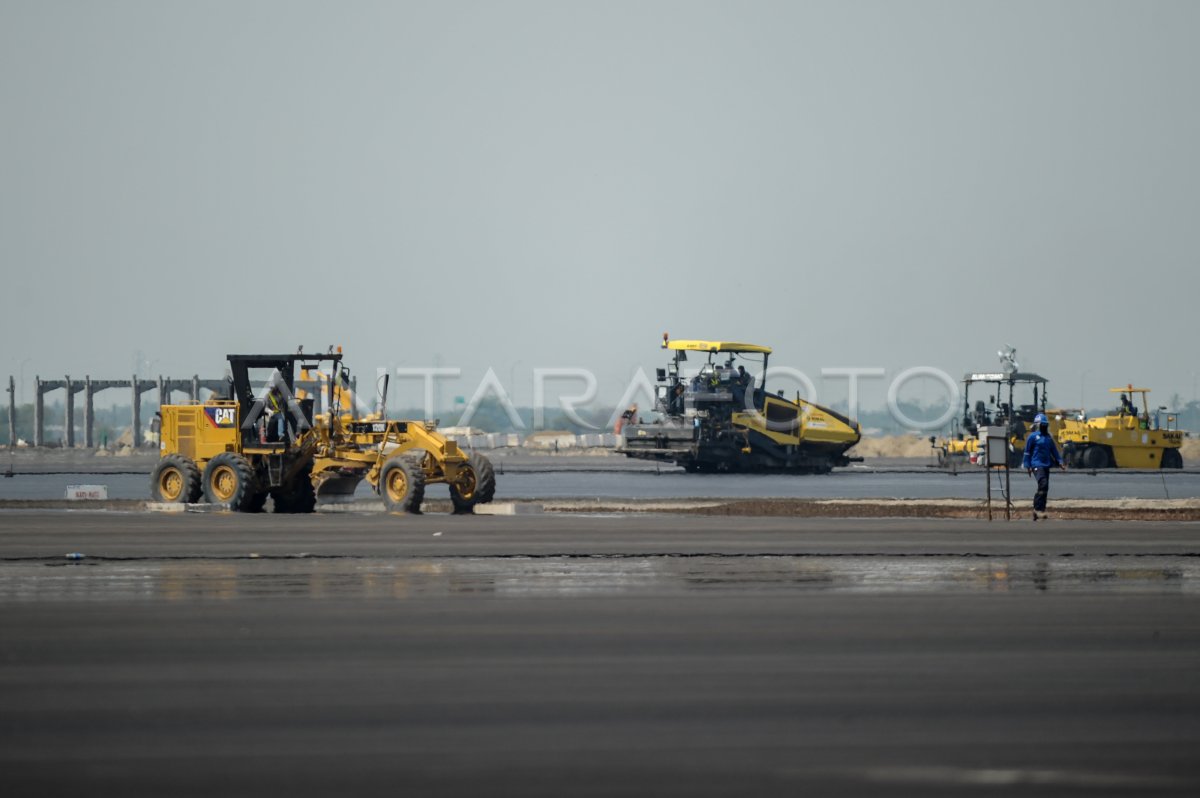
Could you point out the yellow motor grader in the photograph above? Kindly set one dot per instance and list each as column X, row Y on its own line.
column 240, row 449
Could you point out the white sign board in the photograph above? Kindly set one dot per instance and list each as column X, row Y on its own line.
column 997, row 451
column 995, row 445
column 90, row 492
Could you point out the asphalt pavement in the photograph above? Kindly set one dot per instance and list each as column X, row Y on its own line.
column 634, row 655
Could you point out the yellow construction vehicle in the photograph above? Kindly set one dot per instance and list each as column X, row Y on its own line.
column 240, row 449
column 961, row 446
column 1123, row 438
column 718, row 419
column 962, row 443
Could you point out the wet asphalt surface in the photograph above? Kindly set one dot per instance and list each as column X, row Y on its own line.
column 638, row 655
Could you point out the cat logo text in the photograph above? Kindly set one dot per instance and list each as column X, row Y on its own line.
column 221, row 417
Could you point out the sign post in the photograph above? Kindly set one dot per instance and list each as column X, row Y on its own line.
column 994, row 443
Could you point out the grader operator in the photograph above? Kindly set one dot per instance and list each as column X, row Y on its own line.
column 240, row 449
column 719, row 418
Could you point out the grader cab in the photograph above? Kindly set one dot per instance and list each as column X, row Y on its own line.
column 267, row 438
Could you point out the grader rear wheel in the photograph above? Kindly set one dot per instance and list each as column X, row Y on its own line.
column 229, row 479
column 176, row 479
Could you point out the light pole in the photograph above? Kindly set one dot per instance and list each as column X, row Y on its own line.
column 1082, row 377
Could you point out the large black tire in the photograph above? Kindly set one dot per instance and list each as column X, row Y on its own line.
column 402, row 485
column 1071, row 455
column 477, row 485
column 486, row 476
column 298, row 496
column 176, row 479
column 229, row 480
column 1095, row 457
column 1171, row 458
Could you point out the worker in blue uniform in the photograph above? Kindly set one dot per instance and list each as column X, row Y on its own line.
column 1041, row 454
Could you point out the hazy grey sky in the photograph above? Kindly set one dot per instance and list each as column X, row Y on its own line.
column 519, row 184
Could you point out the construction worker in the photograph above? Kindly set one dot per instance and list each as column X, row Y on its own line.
column 677, row 402
column 1041, row 454
column 741, row 381
column 628, row 417
column 275, row 420
column 1127, row 407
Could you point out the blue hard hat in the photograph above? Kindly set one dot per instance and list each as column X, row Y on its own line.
column 1040, row 418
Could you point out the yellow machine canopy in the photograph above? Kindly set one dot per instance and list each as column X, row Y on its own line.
column 715, row 346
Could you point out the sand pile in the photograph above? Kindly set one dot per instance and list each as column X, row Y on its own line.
column 893, row 446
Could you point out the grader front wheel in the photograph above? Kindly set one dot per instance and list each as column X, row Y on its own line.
column 476, row 484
